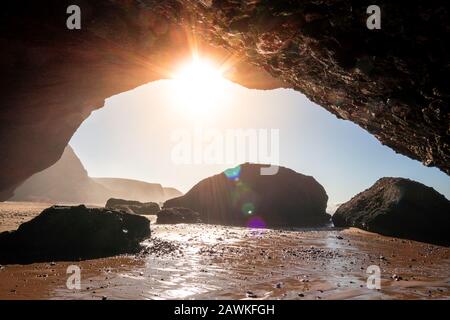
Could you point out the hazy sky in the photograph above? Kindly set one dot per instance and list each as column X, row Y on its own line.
column 131, row 137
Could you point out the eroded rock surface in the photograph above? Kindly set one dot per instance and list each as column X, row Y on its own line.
column 400, row 208
column 242, row 196
column 392, row 82
column 73, row 233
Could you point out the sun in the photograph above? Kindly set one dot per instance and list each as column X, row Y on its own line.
column 199, row 88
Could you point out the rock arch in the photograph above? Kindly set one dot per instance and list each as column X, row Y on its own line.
column 393, row 82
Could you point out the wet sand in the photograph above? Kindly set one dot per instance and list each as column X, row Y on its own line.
column 217, row 262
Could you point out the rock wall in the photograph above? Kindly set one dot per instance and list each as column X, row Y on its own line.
column 392, row 82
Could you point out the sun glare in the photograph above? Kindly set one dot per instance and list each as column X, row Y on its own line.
column 199, row 88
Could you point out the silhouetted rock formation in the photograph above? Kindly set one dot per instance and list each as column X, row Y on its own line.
column 400, row 208
column 67, row 182
column 73, row 233
column 393, row 82
column 178, row 215
column 242, row 196
column 135, row 207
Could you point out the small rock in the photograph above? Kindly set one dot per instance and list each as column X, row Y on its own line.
column 178, row 215
column 396, row 277
column 133, row 207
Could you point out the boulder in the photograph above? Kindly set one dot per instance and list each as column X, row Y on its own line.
column 134, row 207
column 73, row 233
column 242, row 196
column 399, row 208
column 177, row 215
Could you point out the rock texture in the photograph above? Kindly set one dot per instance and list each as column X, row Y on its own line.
column 178, row 215
column 242, row 196
column 73, row 233
column 134, row 207
column 67, row 182
column 392, row 82
column 400, row 208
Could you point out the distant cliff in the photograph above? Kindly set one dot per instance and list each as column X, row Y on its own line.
column 67, row 181
column 137, row 190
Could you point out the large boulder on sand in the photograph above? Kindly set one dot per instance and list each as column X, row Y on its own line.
column 400, row 208
column 73, row 233
column 129, row 206
column 177, row 215
column 242, row 196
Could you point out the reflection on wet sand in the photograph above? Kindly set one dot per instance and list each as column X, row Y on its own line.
column 217, row 262
column 235, row 263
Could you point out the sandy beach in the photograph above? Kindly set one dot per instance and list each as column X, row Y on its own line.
column 217, row 262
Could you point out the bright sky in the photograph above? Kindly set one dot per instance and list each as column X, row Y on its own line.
column 131, row 137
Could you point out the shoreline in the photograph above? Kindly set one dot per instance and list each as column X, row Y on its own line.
column 217, row 262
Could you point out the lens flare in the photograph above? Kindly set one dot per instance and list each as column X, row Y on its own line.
column 256, row 223
column 233, row 173
column 248, row 208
